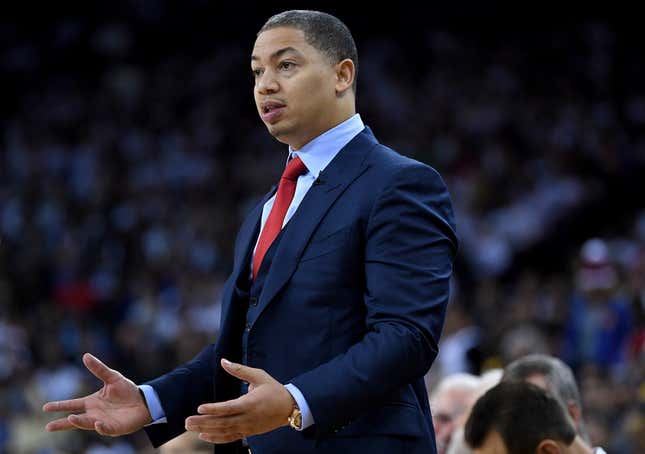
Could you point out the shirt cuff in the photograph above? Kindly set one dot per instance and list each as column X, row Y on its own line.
column 307, row 417
column 154, row 404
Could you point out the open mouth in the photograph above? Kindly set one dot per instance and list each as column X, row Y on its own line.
column 270, row 107
column 271, row 111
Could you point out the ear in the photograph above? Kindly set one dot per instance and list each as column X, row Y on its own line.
column 547, row 447
column 345, row 75
column 574, row 412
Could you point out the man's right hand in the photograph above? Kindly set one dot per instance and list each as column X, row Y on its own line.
column 116, row 409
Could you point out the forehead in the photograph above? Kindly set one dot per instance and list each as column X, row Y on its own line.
column 276, row 39
column 451, row 398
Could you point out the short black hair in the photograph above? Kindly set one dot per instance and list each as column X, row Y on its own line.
column 523, row 414
column 322, row 31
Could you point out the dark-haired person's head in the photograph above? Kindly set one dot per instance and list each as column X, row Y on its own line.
column 521, row 418
column 304, row 64
column 552, row 374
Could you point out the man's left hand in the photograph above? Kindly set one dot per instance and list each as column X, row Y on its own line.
column 266, row 407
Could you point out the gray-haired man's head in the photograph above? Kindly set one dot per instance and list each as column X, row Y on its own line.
column 554, row 375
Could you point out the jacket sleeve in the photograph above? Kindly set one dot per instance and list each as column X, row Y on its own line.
column 409, row 249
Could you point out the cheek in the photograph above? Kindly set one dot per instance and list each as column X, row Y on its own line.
column 312, row 91
column 315, row 104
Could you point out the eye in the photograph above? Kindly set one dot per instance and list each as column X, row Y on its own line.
column 286, row 65
column 256, row 72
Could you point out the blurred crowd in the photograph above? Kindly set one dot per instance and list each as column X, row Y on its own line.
column 124, row 176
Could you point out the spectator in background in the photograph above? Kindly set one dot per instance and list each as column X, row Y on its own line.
column 458, row 443
column 521, row 418
column 600, row 321
column 449, row 401
column 551, row 374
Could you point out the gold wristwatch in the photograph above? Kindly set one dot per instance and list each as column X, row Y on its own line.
column 295, row 419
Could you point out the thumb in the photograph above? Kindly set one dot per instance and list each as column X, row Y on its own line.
column 249, row 374
column 100, row 370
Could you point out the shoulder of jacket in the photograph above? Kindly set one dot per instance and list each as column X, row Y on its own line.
column 387, row 161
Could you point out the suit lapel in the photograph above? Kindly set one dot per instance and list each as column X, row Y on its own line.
column 348, row 165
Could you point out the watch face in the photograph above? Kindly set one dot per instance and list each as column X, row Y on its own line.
column 296, row 419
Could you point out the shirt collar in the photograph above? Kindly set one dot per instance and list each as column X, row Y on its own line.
column 318, row 153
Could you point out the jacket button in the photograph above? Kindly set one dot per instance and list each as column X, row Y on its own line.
column 248, row 327
column 253, row 301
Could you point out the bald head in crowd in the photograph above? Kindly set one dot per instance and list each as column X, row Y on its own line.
column 517, row 417
column 448, row 403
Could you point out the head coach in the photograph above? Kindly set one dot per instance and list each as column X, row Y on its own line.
column 333, row 311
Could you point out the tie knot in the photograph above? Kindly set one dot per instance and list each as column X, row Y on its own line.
column 294, row 169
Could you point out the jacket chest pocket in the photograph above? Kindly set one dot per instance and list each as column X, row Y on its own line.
column 325, row 243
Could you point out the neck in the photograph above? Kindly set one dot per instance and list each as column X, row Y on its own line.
column 579, row 447
column 334, row 121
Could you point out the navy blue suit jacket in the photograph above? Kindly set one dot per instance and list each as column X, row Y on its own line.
column 351, row 310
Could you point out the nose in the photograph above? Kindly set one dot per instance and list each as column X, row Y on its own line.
column 266, row 83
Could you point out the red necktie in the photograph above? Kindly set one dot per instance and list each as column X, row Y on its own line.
column 283, row 198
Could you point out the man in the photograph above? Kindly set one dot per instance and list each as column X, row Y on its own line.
column 452, row 398
column 551, row 374
column 600, row 319
column 339, row 286
column 521, row 418
column 555, row 376
column 458, row 443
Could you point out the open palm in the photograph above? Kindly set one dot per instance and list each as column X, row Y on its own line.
column 116, row 409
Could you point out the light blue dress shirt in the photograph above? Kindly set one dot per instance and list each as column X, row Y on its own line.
column 315, row 155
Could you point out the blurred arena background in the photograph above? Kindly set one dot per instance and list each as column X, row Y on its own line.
column 130, row 149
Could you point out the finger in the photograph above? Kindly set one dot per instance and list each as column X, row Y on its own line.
column 59, row 424
column 100, row 370
column 246, row 373
column 65, row 405
column 227, row 408
column 219, row 438
column 211, row 424
column 83, row 422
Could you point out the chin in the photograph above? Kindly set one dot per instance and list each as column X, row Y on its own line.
column 279, row 132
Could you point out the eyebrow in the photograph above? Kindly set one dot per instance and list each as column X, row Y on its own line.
column 278, row 53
